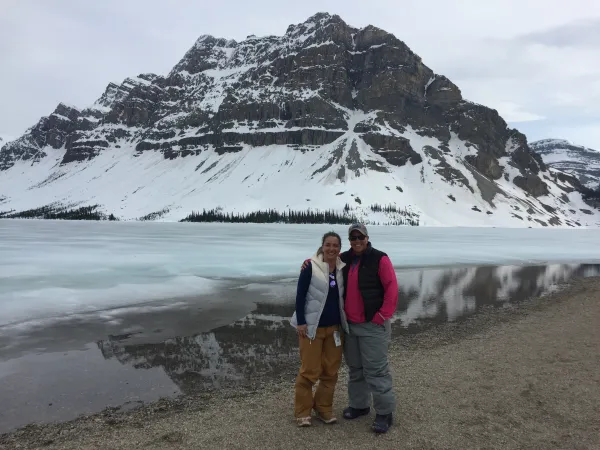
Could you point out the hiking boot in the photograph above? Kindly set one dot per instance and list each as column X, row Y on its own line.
column 352, row 413
column 303, row 421
column 382, row 423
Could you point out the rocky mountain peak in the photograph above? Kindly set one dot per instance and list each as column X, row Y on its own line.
column 581, row 162
column 115, row 94
column 207, row 53
column 317, row 21
column 340, row 104
column 68, row 111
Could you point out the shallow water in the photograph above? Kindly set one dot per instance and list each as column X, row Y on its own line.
column 81, row 363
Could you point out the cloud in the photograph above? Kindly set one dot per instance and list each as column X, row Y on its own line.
column 581, row 33
column 537, row 61
column 511, row 112
column 586, row 133
column 542, row 83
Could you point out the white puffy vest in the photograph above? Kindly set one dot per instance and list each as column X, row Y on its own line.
column 317, row 295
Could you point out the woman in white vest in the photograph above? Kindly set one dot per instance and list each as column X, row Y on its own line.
column 320, row 321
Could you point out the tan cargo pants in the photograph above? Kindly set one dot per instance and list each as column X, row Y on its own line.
column 320, row 360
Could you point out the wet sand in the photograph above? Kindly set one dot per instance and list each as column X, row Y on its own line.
column 526, row 376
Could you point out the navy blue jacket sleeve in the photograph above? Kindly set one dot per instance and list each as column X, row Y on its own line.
column 301, row 291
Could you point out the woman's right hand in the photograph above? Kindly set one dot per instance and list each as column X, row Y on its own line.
column 302, row 330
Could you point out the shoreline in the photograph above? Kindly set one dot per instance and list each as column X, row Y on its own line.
column 463, row 384
column 533, row 226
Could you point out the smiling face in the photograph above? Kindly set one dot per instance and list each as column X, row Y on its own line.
column 358, row 242
column 331, row 248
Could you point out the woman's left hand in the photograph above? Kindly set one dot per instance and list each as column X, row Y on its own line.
column 302, row 330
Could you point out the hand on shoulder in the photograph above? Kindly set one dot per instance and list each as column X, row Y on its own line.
column 305, row 264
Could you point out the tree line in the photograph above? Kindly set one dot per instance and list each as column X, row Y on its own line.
column 48, row 212
column 289, row 217
column 271, row 216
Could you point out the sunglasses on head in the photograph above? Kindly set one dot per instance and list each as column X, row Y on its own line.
column 360, row 237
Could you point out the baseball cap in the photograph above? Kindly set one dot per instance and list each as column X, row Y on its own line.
column 358, row 227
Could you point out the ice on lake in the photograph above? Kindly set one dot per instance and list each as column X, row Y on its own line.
column 50, row 270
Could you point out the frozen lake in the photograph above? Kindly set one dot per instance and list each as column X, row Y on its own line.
column 107, row 314
column 50, row 269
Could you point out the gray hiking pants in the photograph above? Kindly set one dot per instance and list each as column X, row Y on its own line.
column 366, row 354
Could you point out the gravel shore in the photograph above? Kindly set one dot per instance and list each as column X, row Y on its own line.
column 521, row 377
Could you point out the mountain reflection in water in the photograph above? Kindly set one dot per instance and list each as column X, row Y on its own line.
column 264, row 343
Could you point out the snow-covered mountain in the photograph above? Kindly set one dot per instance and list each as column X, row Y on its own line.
column 580, row 161
column 326, row 116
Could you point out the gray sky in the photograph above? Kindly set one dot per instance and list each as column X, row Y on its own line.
column 536, row 61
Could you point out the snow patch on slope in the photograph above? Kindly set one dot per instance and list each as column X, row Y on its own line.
column 131, row 185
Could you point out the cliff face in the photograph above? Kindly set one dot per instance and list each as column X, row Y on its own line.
column 325, row 108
